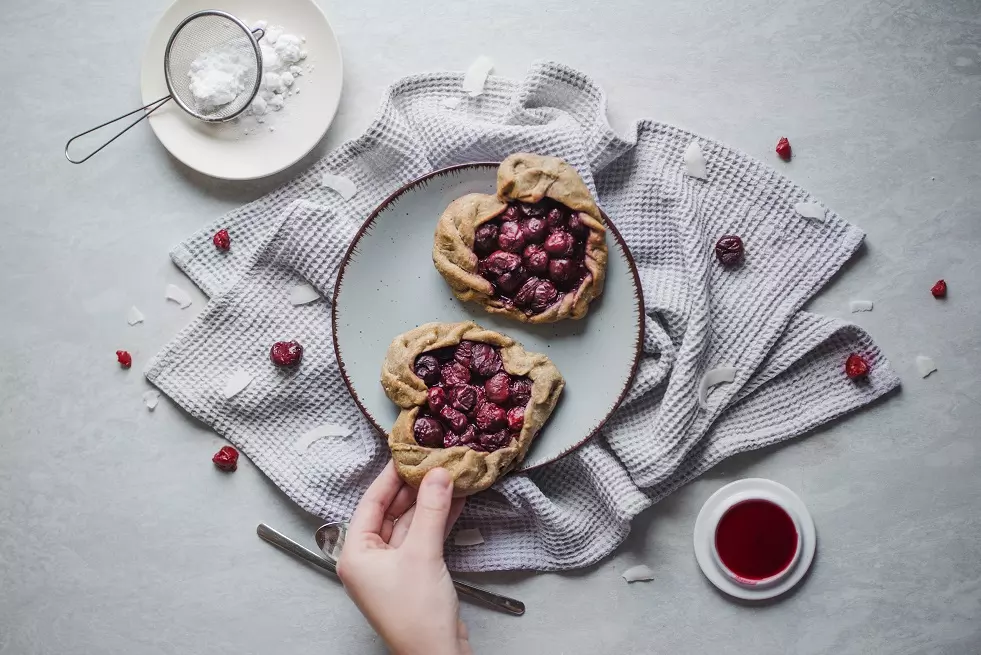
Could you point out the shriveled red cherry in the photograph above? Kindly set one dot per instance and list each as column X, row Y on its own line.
column 516, row 419
column 729, row 250
column 520, row 391
column 542, row 295
column 534, row 230
column 481, row 398
column 226, row 459
column 536, row 259
column 453, row 439
column 939, row 290
column 286, row 354
column 511, row 238
column 559, row 244
column 491, row 441
column 428, row 432
column 512, row 213
column 555, row 218
column 124, row 358
column 485, row 239
column 783, row 148
column 497, row 388
column 454, row 419
column 486, row 360
column 490, row 417
column 562, row 271
column 221, row 240
column 463, row 352
column 501, row 262
column 454, row 373
column 512, row 281
column 462, row 398
column 856, row 367
column 436, row 399
column 427, row 369
column 576, row 227
column 536, row 210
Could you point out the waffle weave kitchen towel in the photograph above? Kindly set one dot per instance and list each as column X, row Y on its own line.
column 575, row 511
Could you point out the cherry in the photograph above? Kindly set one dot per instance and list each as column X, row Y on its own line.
column 226, row 459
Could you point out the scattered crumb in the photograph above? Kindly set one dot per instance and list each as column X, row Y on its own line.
column 178, row 295
column 810, row 210
column 695, row 161
column 476, row 76
column 151, row 398
column 451, row 103
column 640, row 573
column 342, row 185
column 468, row 537
column 134, row 316
column 925, row 365
column 860, row 306
column 712, row 378
column 319, row 432
column 237, row 383
column 302, row 294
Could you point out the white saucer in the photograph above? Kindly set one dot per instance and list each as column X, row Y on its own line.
column 222, row 149
column 705, row 535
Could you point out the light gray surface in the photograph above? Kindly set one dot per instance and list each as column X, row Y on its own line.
column 596, row 353
column 116, row 534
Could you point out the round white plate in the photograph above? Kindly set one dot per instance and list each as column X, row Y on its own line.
column 222, row 149
column 705, row 534
column 388, row 285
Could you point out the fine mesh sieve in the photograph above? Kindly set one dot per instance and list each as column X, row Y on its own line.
column 201, row 33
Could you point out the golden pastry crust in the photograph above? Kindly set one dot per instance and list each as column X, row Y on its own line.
column 524, row 178
column 472, row 471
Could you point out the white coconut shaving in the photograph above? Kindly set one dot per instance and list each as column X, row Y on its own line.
column 860, row 306
column 640, row 573
column 134, row 316
column 150, row 399
column 712, row 378
column 320, row 432
column 342, row 185
column 302, row 294
column 451, row 103
column 237, row 383
column 810, row 210
column 468, row 537
column 177, row 295
column 476, row 76
column 695, row 161
column 925, row 365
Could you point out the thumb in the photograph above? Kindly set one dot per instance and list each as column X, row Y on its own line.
column 428, row 528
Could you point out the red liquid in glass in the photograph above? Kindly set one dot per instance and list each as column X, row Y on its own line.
column 756, row 539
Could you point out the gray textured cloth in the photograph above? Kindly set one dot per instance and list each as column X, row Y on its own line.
column 575, row 511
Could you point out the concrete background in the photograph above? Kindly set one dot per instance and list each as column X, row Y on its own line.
column 116, row 534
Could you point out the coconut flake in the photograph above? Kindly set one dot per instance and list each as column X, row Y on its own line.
column 695, row 161
column 712, row 378
column 178, row 295
column 925, row 365
column 150, row 399
column 476, row 77
column 319, row 432
column 302, row 294
column 860, row 306
column 451, row 103
column 640, row 573
column 342, row 185
column 237, row 382
column 810, row 210
column 134, row 316
column 468, row 537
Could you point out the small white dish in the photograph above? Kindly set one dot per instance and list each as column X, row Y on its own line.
column 725, row 499
column 223, row 150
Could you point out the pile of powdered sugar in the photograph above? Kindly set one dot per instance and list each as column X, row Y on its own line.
column 219, row 75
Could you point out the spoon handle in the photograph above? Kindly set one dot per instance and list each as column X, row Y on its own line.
column 283, row 542
column 509, row 605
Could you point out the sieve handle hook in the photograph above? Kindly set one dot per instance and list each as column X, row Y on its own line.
column 146, row 109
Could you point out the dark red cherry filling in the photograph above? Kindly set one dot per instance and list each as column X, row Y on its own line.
column 533, row 254
column 472, row 401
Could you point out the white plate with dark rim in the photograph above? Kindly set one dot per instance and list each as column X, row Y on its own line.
column 387, row 284
column 222, row 149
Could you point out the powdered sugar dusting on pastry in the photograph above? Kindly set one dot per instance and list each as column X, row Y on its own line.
column 640, row 573
column 177, row 295
column 860, row 306
column 695, row 161
column 712, row 378
column 468, row 537
column 342, row 185
column 302, row 294
column 237, row 383
column 476, row 76
column 810, row 210
column 925, row 365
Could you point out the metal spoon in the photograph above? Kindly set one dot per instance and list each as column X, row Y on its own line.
column 330, row 540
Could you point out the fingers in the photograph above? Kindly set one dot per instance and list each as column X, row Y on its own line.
column 370, row 513
column 404, row 500
column 432, row 509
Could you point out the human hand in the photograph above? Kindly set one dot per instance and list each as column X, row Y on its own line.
column 392, row 564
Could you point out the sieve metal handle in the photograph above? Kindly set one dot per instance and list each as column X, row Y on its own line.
column 156, row 104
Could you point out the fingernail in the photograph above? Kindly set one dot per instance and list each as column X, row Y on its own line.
column 438, row 478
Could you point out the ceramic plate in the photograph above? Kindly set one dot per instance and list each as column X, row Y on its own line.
column 704, row 535
column 388, row 285
column 222, row 149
